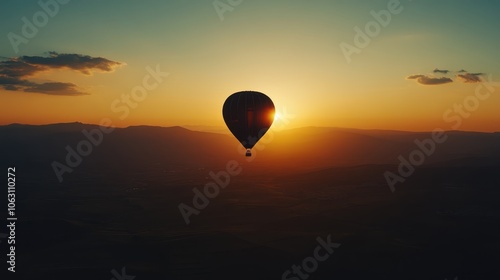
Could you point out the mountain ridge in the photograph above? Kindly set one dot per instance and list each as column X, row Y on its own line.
column 299, row 148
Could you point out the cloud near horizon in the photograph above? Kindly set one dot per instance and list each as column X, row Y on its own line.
column 441, row 71
column 426, row 80
column 470, row 77
column 15, row 71
column 465, row 77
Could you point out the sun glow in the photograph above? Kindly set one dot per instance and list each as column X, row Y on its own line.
column 277, row 117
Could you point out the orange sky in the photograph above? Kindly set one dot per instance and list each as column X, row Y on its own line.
column 292, row 53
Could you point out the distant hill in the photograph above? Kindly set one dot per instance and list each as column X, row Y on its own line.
column 176, row 147
column 322, row 146
column 138, row 145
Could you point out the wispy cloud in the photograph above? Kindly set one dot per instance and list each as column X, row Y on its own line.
column 470, row 77
column 55, row 89
column 465, row 77
column 14, row 72
column 426, row 80
column 441, row 71
column 82, row 63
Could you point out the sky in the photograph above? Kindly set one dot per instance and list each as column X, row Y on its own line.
column 432, row 64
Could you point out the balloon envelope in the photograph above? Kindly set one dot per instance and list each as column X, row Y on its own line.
column 248, row 115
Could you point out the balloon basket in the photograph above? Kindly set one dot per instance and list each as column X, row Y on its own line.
column 248, row 153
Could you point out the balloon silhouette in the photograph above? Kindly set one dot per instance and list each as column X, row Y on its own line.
column 248, row 115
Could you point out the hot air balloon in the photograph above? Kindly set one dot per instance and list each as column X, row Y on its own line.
column 248, row 115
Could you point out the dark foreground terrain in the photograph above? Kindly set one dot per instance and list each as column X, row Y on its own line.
column 119, row 209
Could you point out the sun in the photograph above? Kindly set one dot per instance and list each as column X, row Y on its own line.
column 277, row 117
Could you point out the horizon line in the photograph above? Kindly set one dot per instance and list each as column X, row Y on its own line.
column 187, row 127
